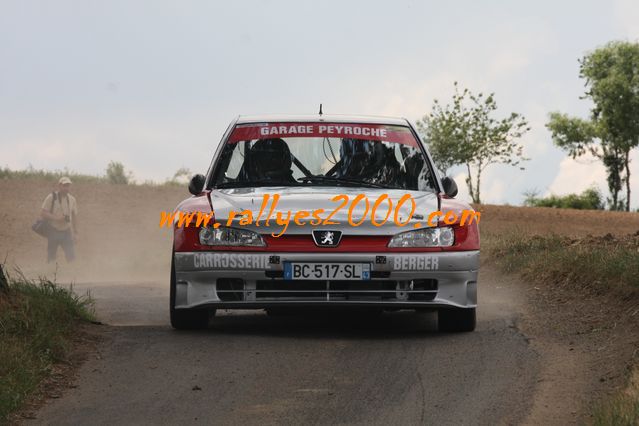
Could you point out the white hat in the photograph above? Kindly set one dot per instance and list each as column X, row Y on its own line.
column 64, row 180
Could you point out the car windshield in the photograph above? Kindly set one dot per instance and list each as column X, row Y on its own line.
column 323, row 154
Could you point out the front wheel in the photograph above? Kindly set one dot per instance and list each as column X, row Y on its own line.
column 185, row 319
column 457, row 319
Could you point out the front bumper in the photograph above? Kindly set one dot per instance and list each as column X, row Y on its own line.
column 248, row 280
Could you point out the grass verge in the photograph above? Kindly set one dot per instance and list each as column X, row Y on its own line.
column 595, row 263
column 589, row 265
column 623, row 409
column 38, row 320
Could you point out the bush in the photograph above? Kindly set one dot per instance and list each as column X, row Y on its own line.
column 590, row 199
column 115, row 173
column 181, row 177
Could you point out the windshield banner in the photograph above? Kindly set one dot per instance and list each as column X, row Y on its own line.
column 373, row 132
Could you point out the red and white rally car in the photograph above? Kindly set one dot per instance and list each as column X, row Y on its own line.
column 324, row 211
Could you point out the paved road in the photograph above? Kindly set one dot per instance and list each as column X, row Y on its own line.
column 249, row 368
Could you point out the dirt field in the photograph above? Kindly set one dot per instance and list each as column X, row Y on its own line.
column 542, row 220
column 120, row 237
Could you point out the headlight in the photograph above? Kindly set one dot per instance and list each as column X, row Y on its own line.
column 223, row 236
column 427, row 237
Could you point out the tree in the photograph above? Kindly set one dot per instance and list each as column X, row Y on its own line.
column 578, row 137
column 115, row 173
column 466, row 133
column 612, row 131
column 181, row 176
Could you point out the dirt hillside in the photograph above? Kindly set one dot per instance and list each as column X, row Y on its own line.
column 543, row 220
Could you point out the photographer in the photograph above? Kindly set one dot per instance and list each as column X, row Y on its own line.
column 61, row 210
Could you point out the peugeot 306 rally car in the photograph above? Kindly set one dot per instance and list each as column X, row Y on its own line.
column 324, row 211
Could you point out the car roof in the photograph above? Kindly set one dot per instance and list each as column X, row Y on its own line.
column 329, row 118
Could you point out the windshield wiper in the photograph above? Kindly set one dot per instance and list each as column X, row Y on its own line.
column 331, row 179
column 254, row 184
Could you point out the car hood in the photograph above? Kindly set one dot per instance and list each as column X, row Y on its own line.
column 309, row 199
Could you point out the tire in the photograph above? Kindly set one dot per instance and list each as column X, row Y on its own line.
column 185, row 319
column 280, row 311
column 457, row 319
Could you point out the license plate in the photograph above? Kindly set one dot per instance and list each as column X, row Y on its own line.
column 327, row 271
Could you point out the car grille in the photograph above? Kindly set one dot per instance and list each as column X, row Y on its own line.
column 234, row 289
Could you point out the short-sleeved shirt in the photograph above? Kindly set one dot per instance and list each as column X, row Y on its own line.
column 66, row 206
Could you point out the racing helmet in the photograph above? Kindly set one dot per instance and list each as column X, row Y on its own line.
column 270, row 159
column 356, row 156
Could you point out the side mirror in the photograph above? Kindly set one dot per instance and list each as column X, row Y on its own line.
column 450, row 187
column 197, row 184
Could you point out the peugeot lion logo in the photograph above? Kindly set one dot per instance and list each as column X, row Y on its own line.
column 327, row 238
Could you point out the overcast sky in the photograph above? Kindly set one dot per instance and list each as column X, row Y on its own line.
column 154, row 84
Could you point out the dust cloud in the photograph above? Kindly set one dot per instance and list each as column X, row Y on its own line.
column 119, row 237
